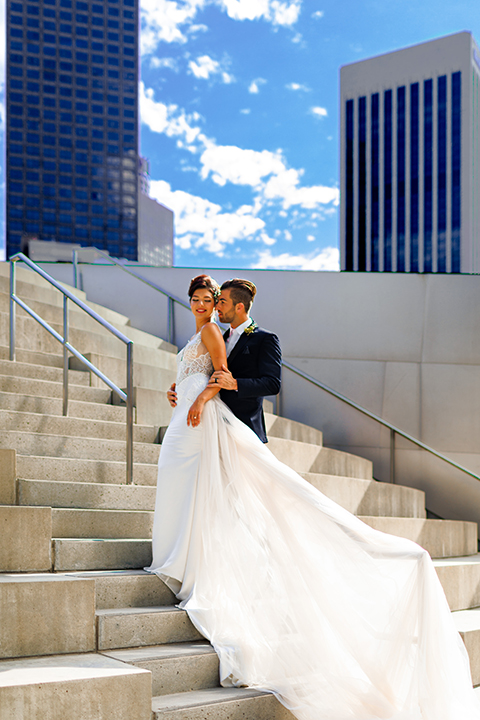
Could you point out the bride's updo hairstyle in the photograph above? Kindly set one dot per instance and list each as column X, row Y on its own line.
column 207, row 282
column 241, row 291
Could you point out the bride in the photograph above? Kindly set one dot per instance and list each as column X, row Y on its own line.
column 297, row 596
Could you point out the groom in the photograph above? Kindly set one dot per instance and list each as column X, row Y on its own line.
column 254, row 357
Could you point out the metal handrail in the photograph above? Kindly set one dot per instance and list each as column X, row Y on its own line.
column 172, row 299
column 127, row 397
column 393, row 430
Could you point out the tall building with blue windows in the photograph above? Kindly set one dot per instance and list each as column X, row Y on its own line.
column 72, row 123
column 410, row 159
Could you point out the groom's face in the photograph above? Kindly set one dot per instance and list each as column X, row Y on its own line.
column 226, row 308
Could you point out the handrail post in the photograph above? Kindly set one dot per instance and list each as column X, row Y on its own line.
column 65, row 355
column 130, row 413
column 392, row 456
column 12, row 309
column 75, row 268
column 171, row 321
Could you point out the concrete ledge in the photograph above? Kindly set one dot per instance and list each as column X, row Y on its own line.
column 136, row 627
column 26, row 534
column 291, row 430
column 441, row 538
column 73, row 554
column 96, row 496
column 8, row 477
column 467, row 623
column 84, row 687
column 460, row 578
column 175, row 667
column 128, row 588
column 219, row 704
column 111, row 524
column 46, row 615
column 39, row 467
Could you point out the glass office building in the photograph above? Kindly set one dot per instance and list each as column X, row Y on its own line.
column 410, row 159
column 72, row 123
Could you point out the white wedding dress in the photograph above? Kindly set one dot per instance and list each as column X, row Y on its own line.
column 298, row 596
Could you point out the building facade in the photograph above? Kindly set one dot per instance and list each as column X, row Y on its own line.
column 410, row 159
column 72, row 123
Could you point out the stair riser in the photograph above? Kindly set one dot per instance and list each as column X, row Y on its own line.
column 131, row 589
column 74, row 427
column 83, row 470
column 28, row 386
column 26, row 539
column 176, row 675
column 101, row 554
column 26, row 443
column 472, row 643
column 461, row 584
column 441, row 538
column 85, row 495
column 101, row 524
column 140, row 630
column 36, row 372
column 54, row 406
column 265, row 707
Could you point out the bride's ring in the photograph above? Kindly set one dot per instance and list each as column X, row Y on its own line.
column 215, row 380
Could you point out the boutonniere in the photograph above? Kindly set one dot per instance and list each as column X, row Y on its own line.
column 251, row 328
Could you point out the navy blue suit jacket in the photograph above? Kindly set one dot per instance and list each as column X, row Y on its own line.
column 256, row 364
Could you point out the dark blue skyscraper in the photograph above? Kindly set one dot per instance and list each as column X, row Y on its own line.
column 72, row 123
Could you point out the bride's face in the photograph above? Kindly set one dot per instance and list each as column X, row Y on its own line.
column 202, row 303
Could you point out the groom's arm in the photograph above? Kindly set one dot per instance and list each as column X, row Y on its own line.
column 268, row 380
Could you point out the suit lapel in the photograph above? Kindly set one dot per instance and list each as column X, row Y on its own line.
column 242, row 341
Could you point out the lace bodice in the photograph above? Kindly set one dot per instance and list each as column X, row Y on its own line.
column 193, row 359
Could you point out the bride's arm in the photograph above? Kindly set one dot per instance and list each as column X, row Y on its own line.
column 213, row 341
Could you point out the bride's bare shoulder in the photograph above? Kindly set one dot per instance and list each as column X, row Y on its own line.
column 211, row 331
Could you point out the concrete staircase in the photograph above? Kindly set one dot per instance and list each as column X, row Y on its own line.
column 84, row 631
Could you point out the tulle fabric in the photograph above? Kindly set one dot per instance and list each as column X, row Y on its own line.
column 298, row 596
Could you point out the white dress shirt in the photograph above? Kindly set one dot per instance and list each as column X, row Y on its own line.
column 235, row 334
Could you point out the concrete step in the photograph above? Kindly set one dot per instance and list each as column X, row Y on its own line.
column 83, row 470
column 126, row 588
column 155, row 377
column 47, row 388
column 58, row 494
column 100, row 554
column 109, row 524
column 312, row 458
column 34, row 358
column 12, row 420
column 467, row 623
column 27, row 370
column 31, row 443
column 291, row 430
column 219, row 704
column 87, row 686
column 46, row 614
column 369, row 497
column 460, row 578
column 175, row 667
column 140, row 627
column 54, row 406
column 441, row 538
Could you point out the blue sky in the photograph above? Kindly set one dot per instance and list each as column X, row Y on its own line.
column 239, row 107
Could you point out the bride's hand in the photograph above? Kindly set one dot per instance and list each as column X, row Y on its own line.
column 172, row 395
column 195, row 413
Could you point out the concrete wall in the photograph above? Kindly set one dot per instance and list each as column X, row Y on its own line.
column 406, row 347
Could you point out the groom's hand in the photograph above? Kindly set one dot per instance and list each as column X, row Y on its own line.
column 224, row 379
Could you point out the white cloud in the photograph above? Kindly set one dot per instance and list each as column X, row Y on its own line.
column 162, row 118
column 201, row 223
column 158, row 63
column 278, row 13
column 254, row 87
column 245, row 111
column 310, row 238
column 319, row 111
column 229, row 163
column 205, row 66
column 326, row 259
column 297, row 86
column 172, row 21
column 318, row 14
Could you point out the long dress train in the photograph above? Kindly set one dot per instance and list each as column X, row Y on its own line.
column 298, row 596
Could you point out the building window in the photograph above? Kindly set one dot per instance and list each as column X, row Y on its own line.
column 387, row 181
column 442, row 175
column 401, row 179
column 456, row 150
column 349, row 206
column 414, row 176
column 427, row 174
column 362, row 180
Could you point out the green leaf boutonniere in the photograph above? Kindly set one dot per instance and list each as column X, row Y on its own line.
column 251, row 328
